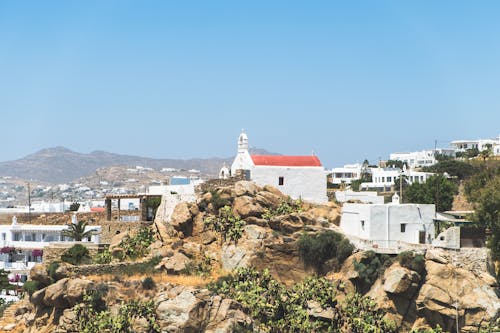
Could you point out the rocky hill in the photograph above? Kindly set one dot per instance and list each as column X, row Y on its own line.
column 60, row 165
column 239, row 254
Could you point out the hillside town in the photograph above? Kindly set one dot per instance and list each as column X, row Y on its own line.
column 271, row 202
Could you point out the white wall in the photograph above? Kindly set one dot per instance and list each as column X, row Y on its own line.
column 383, row 222
column 365, row 196
column 308, row 183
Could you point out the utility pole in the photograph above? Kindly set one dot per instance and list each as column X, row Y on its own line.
column 29, row 203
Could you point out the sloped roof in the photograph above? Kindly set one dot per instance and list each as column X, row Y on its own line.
column 279, row 160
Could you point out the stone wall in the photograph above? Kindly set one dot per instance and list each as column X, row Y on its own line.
column 212, row 184
column 120, row 268
column 54, row 251
column 112, row 228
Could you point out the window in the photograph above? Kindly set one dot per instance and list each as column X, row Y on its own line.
column 362, row 224
column 281, row 181
column 4, row 236
column 17, row 236
column 389, row 179
column 403, row 227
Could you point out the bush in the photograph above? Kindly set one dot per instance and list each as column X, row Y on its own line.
column 370, row 267
column 276, row 308
column 227, row 224
column 76, row 255
column 137, row 245
column 315, row 250
column 148, row 283
column 105, row 257
column 51, row 270
column 142, row 267
column 415, row 262
column 31, row 286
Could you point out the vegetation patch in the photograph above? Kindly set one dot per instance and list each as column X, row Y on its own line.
column 370, row 267
column 316, row 249
column 278, row 309
column 412, row 261
column 227, row 224
column 285, row 207
column 76, row 255
column 104, row 257
column 94, row 317
column 137, row 246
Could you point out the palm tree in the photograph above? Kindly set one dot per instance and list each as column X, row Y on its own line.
column 77, row 231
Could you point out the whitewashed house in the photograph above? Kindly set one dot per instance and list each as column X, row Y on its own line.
column 346, row 174
column 20, row 243
column 479, row 144
column 297, row 176
column 389, row 225
column 421, row 158
column 383, row 179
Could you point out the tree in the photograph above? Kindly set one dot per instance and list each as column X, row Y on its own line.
column 74, row 206
column 77, row 231
column 461, row 170
column 436, row 190
column 395, row 163
column 487, row 152
column 487, row 210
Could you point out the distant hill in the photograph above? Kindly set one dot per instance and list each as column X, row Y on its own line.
column 60, row 165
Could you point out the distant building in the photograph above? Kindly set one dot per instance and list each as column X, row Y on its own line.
column 20, row 243
column 383, row 179
column 346, row 174
column 479, row 144
column 421, row 158
column 389, row 225
column 297, row 176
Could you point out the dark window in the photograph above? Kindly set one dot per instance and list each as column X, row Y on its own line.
column 362, row 225
column 403, row 227
column 281, row 180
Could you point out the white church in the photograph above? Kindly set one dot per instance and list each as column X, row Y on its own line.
column 301, row 177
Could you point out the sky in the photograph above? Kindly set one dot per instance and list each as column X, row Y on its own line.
column 347, row 80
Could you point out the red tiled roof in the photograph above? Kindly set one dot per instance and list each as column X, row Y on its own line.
column 97, row 209
column 278, row 160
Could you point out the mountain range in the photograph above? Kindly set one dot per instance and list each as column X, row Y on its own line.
column 61, row 165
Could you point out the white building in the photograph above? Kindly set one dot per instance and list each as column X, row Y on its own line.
column 389, row 225
column 26, row 239
column 346, row 174
column 297, row 176
column 384, row 178
column 421, row 158
column 479, row 144
column 363, row 196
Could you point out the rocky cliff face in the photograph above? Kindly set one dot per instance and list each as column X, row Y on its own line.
column 268, row 225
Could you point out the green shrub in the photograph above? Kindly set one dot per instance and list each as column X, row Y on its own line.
column 284, row 207
column 315, row 250
column 227, row 224
column 95, row 320
column 370, row 267
column 410, row 260
column 31, row 286
column 76, row 255
column 148, row 283
column 276, row 308
column 51, row 271
column 145, row 267
column 202, row 267
column 217, row 201
column 137, row 246
column 104, row 257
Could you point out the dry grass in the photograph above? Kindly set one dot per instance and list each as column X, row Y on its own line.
column 161, row 278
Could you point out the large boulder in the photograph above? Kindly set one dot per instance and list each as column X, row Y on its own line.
column 66, row 292
column 446, row 285
column 182, row 219
column 39, row 273
column 400, row 280
column 175, row 264
column 244, row 187
column 227, row 316
column 245, row 206
column 182, row 310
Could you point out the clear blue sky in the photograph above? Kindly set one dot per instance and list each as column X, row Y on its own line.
column 348, row 79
